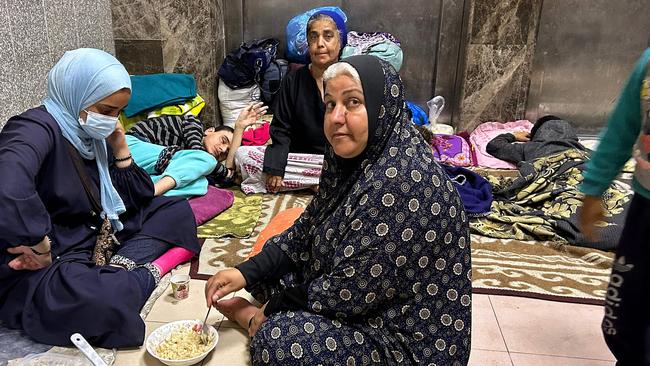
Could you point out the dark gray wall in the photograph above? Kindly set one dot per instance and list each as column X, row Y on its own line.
column 427, row 41
column 585, row 51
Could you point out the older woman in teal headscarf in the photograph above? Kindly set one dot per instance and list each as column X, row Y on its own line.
column 67, row 171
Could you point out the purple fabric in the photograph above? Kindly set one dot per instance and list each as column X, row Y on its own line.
column 213, row 203
column 364, row 41
column 452, row 150
column 485, row 132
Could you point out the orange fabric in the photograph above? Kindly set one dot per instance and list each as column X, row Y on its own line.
column 279, row 223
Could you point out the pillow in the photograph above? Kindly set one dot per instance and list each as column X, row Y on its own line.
column 278, row 224
column 452, row 150
column 214, row 202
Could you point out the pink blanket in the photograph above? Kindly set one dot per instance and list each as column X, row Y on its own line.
column 485, row 132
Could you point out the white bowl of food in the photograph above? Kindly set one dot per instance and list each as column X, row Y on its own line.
column 179, row 343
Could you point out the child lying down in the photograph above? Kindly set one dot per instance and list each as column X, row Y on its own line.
column 182, row 158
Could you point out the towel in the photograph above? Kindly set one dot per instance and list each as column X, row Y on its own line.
column 158, row 90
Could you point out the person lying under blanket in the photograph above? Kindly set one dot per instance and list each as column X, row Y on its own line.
column 182, row 158
column 549, row 135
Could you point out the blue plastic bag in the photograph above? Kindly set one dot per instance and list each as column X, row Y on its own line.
column 297, row 48
column 419, row 117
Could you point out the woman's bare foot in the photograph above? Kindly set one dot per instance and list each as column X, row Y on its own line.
column 237, row 309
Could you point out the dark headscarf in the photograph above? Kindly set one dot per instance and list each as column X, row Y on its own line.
column 385, row 243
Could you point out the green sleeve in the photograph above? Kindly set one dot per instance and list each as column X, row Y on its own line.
column 619, row 136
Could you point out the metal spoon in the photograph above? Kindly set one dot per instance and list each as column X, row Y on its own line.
column 205, row 332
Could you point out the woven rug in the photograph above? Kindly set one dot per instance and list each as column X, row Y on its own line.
column 238, row 221
column 543, row 270
column 218, row 254
column 15, row 344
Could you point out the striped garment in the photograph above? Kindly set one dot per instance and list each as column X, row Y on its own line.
column 184, row 131
column 177, row 133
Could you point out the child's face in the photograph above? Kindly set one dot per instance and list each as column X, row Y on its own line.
column 217, row 143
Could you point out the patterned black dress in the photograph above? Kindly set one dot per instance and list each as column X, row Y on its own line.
column 382, row 251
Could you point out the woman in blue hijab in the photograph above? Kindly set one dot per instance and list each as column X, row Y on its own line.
column 67, row 172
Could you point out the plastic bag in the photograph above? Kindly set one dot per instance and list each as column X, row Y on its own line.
column 232, row 101
column 50, row 359
column 418, row 117
column 297, row 48
column 436, row 104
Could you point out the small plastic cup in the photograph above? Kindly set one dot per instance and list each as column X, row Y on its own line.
column 180, row 286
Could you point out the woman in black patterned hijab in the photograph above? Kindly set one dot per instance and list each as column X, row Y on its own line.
column 377, row 269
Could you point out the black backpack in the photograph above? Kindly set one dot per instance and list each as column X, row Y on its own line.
column 246, row 65
column 272, row 80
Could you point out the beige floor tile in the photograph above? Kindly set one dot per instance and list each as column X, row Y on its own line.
column 232, row 349
column 485, row 329
column 182, row 269
column 167, row 308
column 138, row 356
column 480, row 357
column 551, row 328
column 521, row 359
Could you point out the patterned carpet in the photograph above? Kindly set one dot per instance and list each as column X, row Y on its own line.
column 221, row 253
column 543, row 270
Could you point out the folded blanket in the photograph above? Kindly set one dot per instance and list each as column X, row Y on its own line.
column 158, row 90
column 211, row 204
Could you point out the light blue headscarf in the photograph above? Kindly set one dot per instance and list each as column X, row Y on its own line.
column 81, row 78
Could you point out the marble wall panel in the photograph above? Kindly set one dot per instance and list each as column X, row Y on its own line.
column 180, row 36
column 498, row 57
column 62, row 33
column 190, row 45
column 504, row 21
column 94, row 25
column 140, row 56
column 496, row 84
column 136, row 19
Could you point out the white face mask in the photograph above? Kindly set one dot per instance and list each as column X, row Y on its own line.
column 98, row 126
